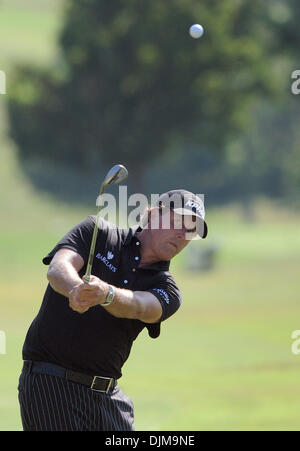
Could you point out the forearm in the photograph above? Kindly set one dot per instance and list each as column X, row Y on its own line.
column 126, row 304
column 63, row 277
column 140, row 305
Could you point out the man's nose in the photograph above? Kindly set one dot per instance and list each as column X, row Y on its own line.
column 180, row 233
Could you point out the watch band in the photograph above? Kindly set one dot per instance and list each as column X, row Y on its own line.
column 110, row 295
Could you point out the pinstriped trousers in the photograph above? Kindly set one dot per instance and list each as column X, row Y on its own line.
column 51, row 403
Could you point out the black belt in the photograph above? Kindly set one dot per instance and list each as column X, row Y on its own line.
column 96, row 383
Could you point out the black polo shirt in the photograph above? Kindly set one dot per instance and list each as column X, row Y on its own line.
column 96, row 342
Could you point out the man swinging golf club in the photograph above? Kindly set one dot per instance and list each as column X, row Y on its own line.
column 77, row 344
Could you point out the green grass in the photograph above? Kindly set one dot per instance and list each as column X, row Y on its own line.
column 28, row 31
column 224, row 361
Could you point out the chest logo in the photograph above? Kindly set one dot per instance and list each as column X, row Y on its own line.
column 105, row 260
column 110, row 255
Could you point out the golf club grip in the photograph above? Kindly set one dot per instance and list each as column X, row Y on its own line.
column 89, row 266
column 86, row 278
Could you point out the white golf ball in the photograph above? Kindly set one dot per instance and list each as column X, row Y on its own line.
column 196, row 31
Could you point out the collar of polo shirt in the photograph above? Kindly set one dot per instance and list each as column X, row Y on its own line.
column 158, row 266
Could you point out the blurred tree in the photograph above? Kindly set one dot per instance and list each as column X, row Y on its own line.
column 265, row 158
column 282, row 18
column 132, row 81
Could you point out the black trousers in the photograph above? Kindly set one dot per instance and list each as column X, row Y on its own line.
column 51, row 403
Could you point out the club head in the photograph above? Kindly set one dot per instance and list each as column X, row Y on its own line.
column 115, row 175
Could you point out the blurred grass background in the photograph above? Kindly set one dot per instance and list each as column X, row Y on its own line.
column 224, row 361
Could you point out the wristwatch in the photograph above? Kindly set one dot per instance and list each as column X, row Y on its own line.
column 110, row 295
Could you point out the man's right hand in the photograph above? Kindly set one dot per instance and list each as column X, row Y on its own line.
column 86, row 295
column 74, row 300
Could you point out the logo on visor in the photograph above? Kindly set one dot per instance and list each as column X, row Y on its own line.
column 197, row 207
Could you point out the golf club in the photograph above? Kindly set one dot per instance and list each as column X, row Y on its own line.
column 115, row 175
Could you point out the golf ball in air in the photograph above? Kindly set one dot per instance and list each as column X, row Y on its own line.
column 196, row 31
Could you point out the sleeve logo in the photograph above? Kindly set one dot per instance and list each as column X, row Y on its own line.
column 163, row 294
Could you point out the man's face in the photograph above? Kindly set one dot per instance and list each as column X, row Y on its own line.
column 170, row 232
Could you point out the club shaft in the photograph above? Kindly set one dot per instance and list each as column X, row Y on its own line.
column 93, row 243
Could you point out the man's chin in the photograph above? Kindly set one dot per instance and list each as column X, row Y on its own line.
column 168, row 254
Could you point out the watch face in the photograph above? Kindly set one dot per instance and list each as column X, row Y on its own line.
column 110, row 297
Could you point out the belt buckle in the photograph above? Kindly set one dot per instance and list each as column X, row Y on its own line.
column 101, row 377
